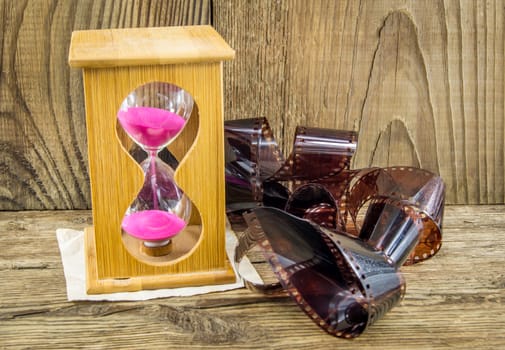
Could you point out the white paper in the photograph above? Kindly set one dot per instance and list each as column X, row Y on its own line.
column 71, row 244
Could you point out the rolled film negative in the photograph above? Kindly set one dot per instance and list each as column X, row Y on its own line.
column 345, row 231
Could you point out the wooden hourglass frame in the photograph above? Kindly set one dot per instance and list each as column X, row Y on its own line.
column 114, row 63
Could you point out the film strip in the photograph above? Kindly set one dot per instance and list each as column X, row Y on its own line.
column 345, row 231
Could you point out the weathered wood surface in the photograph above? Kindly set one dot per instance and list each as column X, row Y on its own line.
column 422, row 81
column 455, row 300
column 43, row 152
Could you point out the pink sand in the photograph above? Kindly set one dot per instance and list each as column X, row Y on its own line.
column 151, row 127
column 152, row 225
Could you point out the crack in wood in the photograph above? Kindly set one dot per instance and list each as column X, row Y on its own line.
column 24, row 313
column 232, row 302
column 24, row 266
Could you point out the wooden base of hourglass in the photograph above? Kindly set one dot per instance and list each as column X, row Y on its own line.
column 163, row 250
column 95, row 284
column 113, row 65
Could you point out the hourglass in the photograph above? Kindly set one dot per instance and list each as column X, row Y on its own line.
column 153, row 115
column 158, row 221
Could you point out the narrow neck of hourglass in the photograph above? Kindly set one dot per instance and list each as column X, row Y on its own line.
column 152, row 151
column 151, row 174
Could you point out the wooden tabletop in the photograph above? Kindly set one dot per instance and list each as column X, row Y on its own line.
column 454, row 300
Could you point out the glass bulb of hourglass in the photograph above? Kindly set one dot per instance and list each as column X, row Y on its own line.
column 160, row 210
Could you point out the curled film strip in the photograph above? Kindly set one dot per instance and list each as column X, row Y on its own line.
column 334, row 237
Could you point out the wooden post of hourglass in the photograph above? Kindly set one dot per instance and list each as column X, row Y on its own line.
column 114, row 63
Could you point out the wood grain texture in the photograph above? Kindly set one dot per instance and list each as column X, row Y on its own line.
column 422, row 81
column 43, row 157
column 147, row 46
column 456, row 300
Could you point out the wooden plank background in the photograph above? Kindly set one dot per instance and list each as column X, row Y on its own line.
column 422, row 81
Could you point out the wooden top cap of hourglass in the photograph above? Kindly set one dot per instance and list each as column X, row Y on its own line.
column 147, row 46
